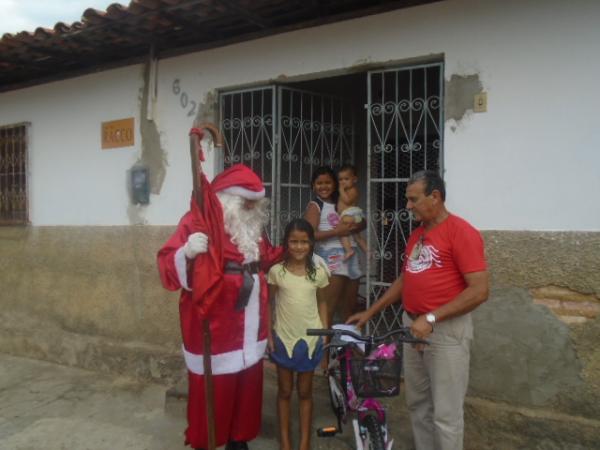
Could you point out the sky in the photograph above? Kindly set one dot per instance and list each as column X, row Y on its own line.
column 27, row 15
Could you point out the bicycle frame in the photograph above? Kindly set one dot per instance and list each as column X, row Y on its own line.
column 359, row 408
column 369, row 417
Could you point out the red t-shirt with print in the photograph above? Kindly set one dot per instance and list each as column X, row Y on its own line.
column 436, row 261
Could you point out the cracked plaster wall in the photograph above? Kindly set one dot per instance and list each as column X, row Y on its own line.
column 153, row 155
column 459, row 92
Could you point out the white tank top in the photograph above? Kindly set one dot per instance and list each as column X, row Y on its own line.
column 328, row 220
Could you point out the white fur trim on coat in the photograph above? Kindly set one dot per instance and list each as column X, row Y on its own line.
column 230, row 362
column 252, row 320
column 244, row 193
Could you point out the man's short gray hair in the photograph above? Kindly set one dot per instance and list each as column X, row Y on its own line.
column 432, row 181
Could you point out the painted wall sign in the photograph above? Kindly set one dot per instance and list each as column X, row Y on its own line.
column 118, row 133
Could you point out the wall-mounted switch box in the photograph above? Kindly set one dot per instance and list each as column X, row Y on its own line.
column 480, row 102
column 140, row 185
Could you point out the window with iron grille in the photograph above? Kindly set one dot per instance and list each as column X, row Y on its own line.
column 13, row 174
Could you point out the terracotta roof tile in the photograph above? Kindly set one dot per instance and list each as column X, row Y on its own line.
column 123, row 34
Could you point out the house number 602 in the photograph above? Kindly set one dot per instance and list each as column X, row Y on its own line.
column 184, row 100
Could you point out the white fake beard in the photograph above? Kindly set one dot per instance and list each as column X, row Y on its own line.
column 244, row 226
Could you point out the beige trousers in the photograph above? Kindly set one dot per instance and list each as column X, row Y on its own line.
column 436, row 382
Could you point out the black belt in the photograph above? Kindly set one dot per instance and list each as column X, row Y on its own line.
column 247, row 270
column 233, row 267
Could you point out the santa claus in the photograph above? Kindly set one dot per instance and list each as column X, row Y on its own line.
column 229, row 256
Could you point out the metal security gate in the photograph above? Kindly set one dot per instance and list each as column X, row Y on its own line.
column 405, row 133
column 247, row 123
column 283, row 134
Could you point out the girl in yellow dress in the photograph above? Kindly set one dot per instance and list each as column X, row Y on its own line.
column 293, row 286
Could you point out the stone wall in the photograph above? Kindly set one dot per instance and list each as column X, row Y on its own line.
column 537, row 336
column 535, row 367
column 538, row 259
column 90, row 297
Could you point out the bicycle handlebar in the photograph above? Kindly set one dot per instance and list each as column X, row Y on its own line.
column 405, row 333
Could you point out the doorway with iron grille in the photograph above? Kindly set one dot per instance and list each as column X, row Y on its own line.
column 388, row 123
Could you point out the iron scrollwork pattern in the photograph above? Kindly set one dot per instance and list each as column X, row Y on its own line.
column 405, row 135
column 247, row 123
column 315, row 130
column 283, row 134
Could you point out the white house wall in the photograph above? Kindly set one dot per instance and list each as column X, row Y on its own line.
column 72, row 181
column 529, row 163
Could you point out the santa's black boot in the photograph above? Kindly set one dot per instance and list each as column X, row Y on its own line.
column 236, row 445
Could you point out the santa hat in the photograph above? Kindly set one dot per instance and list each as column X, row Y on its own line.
column 239, row 180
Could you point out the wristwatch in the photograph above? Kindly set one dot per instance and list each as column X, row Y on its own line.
column 430, row 318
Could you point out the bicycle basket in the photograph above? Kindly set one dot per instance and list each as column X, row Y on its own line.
column 376, row 377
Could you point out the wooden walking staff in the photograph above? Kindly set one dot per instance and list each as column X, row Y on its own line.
column 197, row 157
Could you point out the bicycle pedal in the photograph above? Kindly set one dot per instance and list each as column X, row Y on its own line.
column 327, row 431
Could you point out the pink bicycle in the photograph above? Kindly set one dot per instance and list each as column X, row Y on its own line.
column 360, row 369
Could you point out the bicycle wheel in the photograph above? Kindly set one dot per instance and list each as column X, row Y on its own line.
column 374, row 439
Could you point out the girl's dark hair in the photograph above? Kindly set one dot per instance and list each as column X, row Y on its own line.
column 301, row 225
column 324, row 170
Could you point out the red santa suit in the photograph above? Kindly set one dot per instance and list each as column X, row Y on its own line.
column 238, row 334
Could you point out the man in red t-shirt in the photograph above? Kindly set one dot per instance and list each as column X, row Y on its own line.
column 444, row 278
